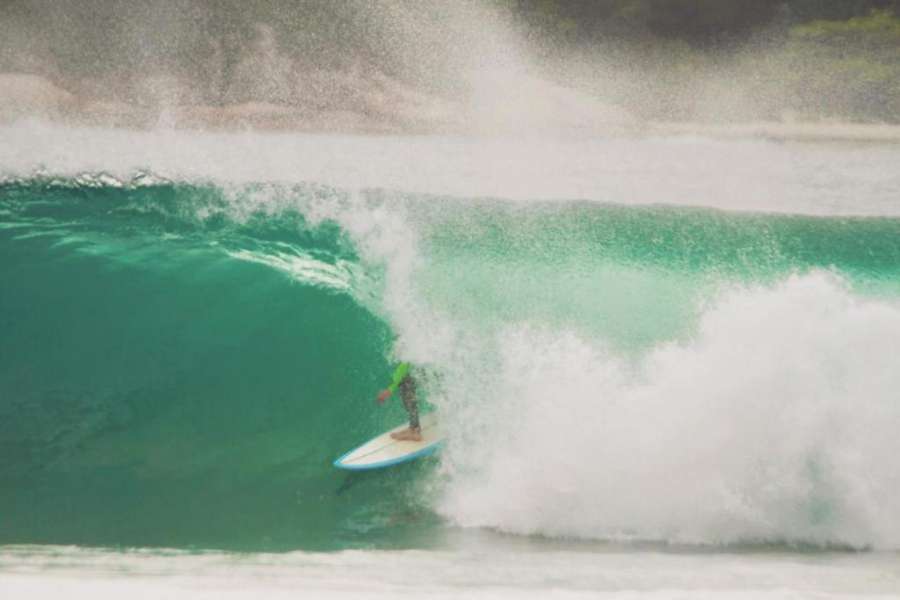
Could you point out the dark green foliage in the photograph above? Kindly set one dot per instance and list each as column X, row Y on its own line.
column 836, row 10
column 848, row 68
column 696, row 21
column 810, row 58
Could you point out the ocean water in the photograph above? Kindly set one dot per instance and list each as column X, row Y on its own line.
column 667, row 367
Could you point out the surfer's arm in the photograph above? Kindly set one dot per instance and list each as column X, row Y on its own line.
column 399, row 374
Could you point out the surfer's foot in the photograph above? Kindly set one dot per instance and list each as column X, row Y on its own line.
column 409, row 434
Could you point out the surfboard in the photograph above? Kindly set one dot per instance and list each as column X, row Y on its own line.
column 384, row 451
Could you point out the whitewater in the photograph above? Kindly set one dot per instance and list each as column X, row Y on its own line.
column 667, row 366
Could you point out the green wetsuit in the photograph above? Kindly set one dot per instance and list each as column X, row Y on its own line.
column 404, row 381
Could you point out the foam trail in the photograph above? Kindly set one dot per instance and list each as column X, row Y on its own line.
column 777, row 421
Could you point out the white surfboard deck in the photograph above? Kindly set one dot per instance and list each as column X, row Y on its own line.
column 385, row 451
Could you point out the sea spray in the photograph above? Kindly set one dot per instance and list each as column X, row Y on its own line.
column 775, row 421
column 754, row 176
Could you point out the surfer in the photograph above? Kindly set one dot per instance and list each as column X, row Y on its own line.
column 403, row 380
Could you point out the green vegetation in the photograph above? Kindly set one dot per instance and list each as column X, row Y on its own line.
column 848, row 68
column 809, row 58
column 698, row 22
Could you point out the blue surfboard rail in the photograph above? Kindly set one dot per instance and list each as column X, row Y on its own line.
column 427, row 450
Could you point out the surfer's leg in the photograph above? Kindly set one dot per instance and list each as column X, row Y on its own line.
column 408, row 393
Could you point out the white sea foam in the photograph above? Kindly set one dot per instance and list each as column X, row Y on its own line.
column 479, row 571
column 777, row 421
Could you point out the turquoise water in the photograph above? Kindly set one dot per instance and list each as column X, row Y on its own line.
column 179, row 373
column 157, row 391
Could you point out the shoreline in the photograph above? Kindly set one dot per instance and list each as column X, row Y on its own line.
column 795, row 131
column 241, row 118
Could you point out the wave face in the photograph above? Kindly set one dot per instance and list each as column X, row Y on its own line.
column 180, row 362
column 163, row 384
